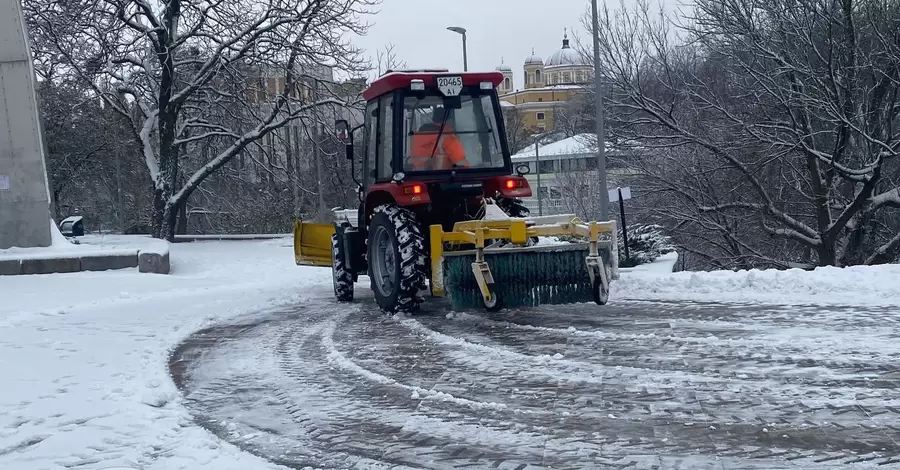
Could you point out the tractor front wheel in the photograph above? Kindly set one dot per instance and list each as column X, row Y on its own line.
column 343, row 279
column 396, row 253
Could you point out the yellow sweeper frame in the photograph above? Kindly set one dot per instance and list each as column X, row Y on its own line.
column 517, row 232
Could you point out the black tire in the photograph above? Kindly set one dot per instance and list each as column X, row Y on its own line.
column 496, row 302
column 343, row 279
column 601, row 297
column 405, row 250
column 513, row 207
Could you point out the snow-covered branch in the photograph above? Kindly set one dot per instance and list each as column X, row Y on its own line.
column 783, row 118
column 261, row 130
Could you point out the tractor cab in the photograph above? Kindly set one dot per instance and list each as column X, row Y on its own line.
column 434, row 139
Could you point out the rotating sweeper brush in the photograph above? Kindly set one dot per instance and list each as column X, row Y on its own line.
column 512, row 274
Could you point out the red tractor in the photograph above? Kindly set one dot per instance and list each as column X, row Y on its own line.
column 437, row 186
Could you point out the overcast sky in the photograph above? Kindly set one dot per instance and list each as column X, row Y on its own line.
column 496, row 29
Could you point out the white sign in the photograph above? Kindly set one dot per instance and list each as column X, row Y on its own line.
column 4, row 183
column 450, row 86
column 614, row 194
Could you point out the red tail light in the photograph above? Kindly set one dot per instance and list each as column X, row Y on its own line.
column 413, row 189
column 514, row 183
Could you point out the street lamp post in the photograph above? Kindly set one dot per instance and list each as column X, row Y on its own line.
column 462, row 31
column 537, row 171
column 601, row 138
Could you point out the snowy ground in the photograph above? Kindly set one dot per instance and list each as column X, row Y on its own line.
column 861, row 285
column 83, row 356
column 87, row 355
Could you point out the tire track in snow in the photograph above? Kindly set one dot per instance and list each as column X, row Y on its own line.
column 327, row 426
column 344, row 392
column 662, row 355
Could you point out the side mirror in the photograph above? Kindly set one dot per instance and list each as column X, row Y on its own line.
column 342, row 129
column 523, row 169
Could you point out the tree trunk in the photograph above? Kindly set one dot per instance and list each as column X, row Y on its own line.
column 169, row 221
column 826, row 254
column 158, row 216
column 181, row 228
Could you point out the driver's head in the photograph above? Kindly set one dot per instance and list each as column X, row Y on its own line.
column 437, row 115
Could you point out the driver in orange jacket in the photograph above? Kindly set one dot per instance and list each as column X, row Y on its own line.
column 448, row 154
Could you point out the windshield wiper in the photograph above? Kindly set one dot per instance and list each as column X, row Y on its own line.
column 438, row 139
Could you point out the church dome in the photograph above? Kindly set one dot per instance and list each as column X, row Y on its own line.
column 566, row 56
column 503, row 67
column 534, row 60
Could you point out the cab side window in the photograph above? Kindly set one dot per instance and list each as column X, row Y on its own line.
column 386, row 126
column 371, row 141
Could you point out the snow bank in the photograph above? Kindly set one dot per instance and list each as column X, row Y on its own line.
column 57, row 239
column 858, row 285
column 88, row 355
column 141, row 243
column 89, row 245
column 664, row 264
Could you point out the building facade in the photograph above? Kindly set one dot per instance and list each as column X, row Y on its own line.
column 564, row 178
column 549, row 86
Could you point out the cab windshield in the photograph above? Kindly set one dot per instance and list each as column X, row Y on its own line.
column 443, row 138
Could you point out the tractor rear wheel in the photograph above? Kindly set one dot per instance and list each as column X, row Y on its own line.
column 513, row 207
column 343, row 279
column 396, row 254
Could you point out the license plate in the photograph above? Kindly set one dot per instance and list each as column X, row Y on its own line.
column 450, row 85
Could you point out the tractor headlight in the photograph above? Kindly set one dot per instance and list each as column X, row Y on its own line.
column 416, row 85
column 486, row 85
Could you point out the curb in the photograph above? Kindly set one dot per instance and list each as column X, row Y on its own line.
column 146, row 262
column 235, row 237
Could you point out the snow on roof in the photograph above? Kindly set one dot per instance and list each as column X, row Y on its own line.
column 547, row 88
column 506, row 104
column 579, row 144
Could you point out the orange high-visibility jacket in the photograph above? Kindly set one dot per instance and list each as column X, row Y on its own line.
column 449, row 151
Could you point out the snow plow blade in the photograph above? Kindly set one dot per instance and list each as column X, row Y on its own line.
column 496, row 275
column 312, row 243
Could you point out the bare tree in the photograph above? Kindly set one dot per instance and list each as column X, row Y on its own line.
column 772, row 126
column 185, row 72
column 387, row 60
column 517, row 134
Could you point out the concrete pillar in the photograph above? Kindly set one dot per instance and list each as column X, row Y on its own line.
column 24, row 191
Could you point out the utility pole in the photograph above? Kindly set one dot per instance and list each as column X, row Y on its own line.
column 601, row 138
column 624, row 228
column 537, row 158
column 120, row 211
column 320, row 174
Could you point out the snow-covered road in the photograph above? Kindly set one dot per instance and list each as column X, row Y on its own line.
column 632, row 385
